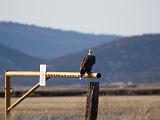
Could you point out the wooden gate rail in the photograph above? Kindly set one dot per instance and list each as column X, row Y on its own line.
column 10, row 74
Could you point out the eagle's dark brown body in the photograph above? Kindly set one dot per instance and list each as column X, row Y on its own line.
column 86, row 64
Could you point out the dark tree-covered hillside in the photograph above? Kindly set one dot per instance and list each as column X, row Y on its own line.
column 11, row 59
column 135, row 59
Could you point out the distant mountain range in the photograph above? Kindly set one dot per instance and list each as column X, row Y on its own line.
column 135, row 59
column 47, row 43
column 24, row 47
column 122, row 59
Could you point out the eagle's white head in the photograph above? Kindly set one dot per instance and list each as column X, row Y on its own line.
column 90, row 52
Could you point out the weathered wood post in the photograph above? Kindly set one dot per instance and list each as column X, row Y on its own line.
column 92, row 101
column 7, row 97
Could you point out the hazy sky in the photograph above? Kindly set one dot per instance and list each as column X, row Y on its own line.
column 125, row 17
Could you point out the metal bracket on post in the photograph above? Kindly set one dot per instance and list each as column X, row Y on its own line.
column 42, row 77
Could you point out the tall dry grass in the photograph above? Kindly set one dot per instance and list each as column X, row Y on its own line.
column 129, row 107
column 73, row 108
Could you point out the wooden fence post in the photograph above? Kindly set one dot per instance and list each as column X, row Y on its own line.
column 92, row 101
column 7, row 97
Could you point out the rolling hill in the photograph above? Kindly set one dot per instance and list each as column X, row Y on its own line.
column 135, row 59
column 11, row 59
column 47, row 43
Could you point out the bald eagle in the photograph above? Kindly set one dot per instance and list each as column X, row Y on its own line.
column 86, row 65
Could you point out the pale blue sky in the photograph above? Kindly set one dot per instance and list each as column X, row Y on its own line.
column 124, row 17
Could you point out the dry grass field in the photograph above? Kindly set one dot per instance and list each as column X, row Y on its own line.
column 73, row 108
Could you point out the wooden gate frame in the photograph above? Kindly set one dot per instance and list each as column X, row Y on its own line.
column 92, row 94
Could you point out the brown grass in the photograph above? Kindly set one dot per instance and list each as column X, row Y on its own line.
column 66, row 108
column 130, row 108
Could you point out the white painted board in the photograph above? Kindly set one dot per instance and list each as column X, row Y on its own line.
column 42, row 78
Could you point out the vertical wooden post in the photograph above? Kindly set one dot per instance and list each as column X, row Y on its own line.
column 7, row 97
column 92, row 101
